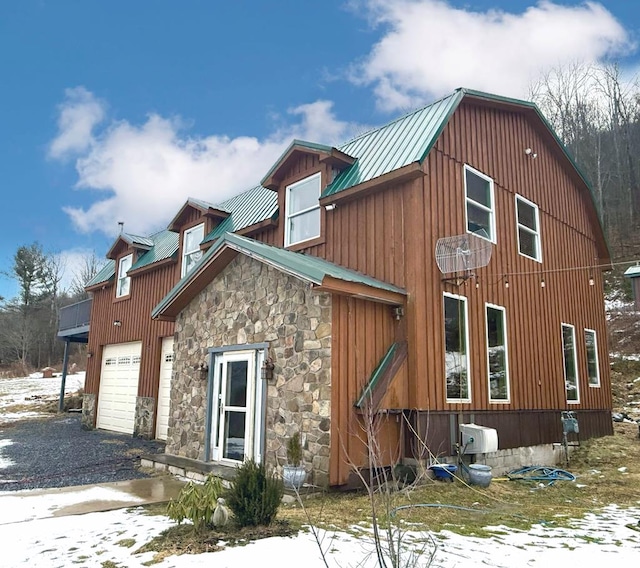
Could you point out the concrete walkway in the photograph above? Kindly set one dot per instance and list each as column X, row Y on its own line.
column 21, row 506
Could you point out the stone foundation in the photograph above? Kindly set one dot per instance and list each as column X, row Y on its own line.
column 143, row 425
column 88, row 420
column 252, row 303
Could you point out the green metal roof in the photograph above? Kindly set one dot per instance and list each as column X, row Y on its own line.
column 248, row 208
column 137, row 240
column 202, row 204
column 165, row 245
column 296, row 142
column 305, row 267
column 106, row 273
column 406, row 140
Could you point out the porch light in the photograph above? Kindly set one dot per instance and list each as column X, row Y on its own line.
column 266, row 371
column 204, row 370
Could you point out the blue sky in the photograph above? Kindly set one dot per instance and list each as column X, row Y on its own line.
column 119, row 111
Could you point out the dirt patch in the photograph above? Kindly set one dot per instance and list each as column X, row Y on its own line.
column 182, row 539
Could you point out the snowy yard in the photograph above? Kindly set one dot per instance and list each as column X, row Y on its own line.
column 32, row 536
column 19, row 394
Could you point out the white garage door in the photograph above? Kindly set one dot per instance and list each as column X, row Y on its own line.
column 119, row 387
column 164, row 389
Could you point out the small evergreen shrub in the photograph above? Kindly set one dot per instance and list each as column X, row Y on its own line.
column 294, row 450
column 196, row 502
column 255, row 495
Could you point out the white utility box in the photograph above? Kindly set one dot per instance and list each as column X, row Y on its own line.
column 478, row 439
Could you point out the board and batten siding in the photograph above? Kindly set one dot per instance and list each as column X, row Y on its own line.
column 134, row 313
column 391, row 235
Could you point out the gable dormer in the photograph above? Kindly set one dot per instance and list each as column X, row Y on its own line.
column 195, row 219
column 299, row 177
column 124, row 252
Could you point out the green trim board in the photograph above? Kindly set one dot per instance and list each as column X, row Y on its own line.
column 381, row 377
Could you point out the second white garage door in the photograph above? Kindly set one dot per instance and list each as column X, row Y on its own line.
column 164, row 388
column 119, row 387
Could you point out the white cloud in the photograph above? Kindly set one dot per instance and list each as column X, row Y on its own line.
column 73, row 264
column 147, row 171
column 79, row 115
column 429, row 48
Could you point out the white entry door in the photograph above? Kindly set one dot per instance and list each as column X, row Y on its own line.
column 164, row 388
column 236, row 422
column 119, row 387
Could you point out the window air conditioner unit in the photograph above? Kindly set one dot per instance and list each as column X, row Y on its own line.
column 478, row 439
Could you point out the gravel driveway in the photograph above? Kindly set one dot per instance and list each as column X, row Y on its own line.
column 57, row 452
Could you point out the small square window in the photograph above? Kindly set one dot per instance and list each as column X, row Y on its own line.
column 124, row 282
column 480, row 209
column 302, row 211
column 528, row 222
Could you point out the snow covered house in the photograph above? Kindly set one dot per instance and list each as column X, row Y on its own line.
column 425, row 271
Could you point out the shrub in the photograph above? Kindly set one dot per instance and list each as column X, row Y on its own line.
column 255, row 495
column 196, row 502
column 294, row 450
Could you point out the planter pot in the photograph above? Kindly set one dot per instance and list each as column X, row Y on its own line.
column 293, row 476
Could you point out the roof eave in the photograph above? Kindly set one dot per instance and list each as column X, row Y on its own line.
column 405, row 173
column 325, row 154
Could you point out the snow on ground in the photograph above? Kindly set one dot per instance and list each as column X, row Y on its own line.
column 32, row 390
column 31, row 536
column 95, row 538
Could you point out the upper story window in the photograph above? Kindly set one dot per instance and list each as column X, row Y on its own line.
column 191, row 252
column 528, row 222
column 456, row 353
column 302, row 211
column 124, row 282
column 480, row 207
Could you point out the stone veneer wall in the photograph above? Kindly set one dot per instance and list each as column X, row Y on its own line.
column 88, row 411
column 143, row 422
column 250, row 302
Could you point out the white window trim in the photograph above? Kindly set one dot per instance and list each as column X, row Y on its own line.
column 466, row 339
column 185, row 253
column 124, row 277
column 595, row 345
column 492, row 210
column 575, row 363
column 528, row 230
column 506, row 353
column 287, row 230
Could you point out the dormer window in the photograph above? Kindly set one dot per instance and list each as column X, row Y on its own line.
column 124, row 282
column 302, row 211
column 191, row 252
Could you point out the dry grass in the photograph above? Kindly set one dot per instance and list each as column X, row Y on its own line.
column 518, row 505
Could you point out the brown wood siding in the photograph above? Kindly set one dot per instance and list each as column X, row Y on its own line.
column 147, row 289
column 361, row 334
column 440, row 430
column 391, row 235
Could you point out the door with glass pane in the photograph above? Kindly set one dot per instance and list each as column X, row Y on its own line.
column 234, row 391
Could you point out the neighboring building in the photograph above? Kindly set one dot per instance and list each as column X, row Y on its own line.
column 342, row 294
column 633, row 273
